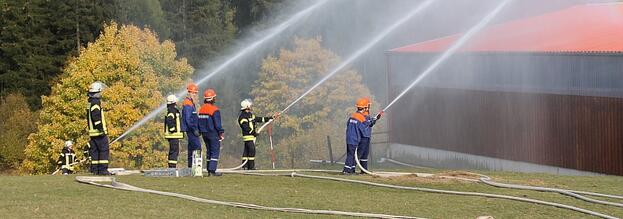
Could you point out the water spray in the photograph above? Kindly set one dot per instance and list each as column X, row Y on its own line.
column 358, row 53
column 268, row 35
column 455, row 46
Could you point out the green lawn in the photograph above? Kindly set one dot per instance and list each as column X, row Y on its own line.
column 61, row 196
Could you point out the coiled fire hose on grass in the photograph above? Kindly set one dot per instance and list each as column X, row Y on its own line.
column 122, row 186
column 544, row 189
column 487, row 195
column 576, row 194
column 483, row 178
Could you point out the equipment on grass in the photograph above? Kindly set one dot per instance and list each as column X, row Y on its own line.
column 197, row 165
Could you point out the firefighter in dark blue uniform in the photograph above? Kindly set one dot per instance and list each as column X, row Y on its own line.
column 363, row 148
column 173, row 130
column 358, row 132
column 211, row 130
column 190, row 121
column 97, row 131
column 248, row 124
column 67, row 159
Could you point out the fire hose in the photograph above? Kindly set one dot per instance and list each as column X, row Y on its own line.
column 293, row 173
column 71, row 164
column 572, row 193
column 122, row 186
column 234, row 168
column 487, row 195
column 484, row 179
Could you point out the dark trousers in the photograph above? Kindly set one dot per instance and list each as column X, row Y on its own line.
column 174, row 151
column 194, row 143
column 99, row 154
column 213, row 147
column 249, row 155
column 350, row 165
column 363, row 149
column 67, row 171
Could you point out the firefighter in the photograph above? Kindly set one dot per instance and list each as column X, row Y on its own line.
column 363, row 148
column 248, row 124
column 211, row 130
column 67, row 159
column 97, row 131
column 86, row 153
column 190, row 121
column 358, row 131
column 172, row 130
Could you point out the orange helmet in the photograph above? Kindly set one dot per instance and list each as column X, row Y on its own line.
column 192, row 88
column 209, row 94
column 369, row 101
column 362, row 102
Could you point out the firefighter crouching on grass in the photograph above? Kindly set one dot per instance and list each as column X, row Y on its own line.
column 190, row 122
column 248, row 124
column 67, row 159
column 211, row 130
column 358, row 130
column 97, row 131
column 173, row 130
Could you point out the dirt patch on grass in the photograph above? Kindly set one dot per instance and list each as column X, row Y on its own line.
column 459, row 175
column 420, row 179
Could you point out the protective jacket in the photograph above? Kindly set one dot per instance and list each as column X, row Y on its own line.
column 358, row 126
column 210, row 121
column 96, row 118
column 66, row 158
column 190, row 119
column 172, row 123
column 248, row 124
column 366, row 131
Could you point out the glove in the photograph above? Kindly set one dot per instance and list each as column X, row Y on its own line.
column 276, row 115
column 196, row 133
column 221, row 137
column 379, row 115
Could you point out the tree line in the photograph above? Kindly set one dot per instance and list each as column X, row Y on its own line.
column 38, row 36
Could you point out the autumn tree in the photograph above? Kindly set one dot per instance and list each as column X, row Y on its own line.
column 139, row 71
column 301, row 134
column 17, row 123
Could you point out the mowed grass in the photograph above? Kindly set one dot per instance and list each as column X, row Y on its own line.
column 61, row 196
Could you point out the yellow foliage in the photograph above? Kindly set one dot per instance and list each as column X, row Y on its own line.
column 139, row 70
column 300, row 135
column 16, row 124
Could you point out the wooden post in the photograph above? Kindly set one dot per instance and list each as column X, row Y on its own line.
column 330, row 149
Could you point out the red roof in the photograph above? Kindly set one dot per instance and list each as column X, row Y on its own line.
column 583, row 28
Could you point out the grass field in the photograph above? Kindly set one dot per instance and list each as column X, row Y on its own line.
column 61, row 197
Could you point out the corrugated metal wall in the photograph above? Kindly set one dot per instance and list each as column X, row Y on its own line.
column 513, row 114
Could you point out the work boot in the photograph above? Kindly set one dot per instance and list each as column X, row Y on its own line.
column 214, row 174
column 104, row 173
column 362, row 172
column 346, row 173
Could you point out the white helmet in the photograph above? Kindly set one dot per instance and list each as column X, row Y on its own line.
column 246, row 104
column 69, row 144
column 97, row 87
column 171, row 99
